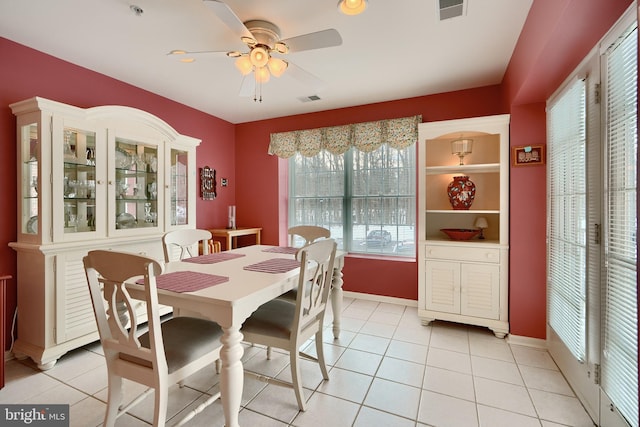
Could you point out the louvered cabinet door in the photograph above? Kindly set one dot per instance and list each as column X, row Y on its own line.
column 74, row 310
column 480, row 290
column 443, row 290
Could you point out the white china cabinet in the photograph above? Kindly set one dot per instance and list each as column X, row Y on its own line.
column 109, row 177
column 464, row 281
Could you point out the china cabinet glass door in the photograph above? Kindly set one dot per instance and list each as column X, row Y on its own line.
column 179, row 187
column 30, row 163
column 79, row 180
column 77, row 199
column 136, row 184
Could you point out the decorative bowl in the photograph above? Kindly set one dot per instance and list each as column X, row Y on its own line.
column 125, row 220
column 460, row 233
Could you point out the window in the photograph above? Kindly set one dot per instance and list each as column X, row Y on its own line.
column 620, row 317
column 567, row 217
column 366, row 199
column 592, row 227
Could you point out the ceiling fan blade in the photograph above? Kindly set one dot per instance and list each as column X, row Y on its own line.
column 187, row 56
column 305, row 78
column 317, row 40
column 228, row 16
column 247, row 87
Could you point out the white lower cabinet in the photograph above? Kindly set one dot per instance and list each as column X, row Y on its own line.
column 464, row 285
column 467, row 289
column 59, row 317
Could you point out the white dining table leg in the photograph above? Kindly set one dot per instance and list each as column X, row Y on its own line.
column 336, row 297
column 231, row 375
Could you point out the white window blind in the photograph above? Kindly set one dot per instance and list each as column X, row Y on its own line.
column 566, row 218
column 620, row 334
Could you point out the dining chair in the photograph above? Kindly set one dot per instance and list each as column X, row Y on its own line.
column 214, row 247
column 184, row 240
column 280, row 324
column 166, row 354
column 308, row 233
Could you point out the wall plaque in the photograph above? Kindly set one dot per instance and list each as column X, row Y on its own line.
column 207, row 183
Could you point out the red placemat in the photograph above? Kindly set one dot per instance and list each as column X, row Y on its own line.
column 282, row 250
column 186, row 281
column 213, row 258
column 274, row 265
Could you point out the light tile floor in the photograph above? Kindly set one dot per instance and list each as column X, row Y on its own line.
column 385, row 370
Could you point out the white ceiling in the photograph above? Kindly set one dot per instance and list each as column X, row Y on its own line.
column 396, row 49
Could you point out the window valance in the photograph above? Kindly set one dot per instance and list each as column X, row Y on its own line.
column 368, row 136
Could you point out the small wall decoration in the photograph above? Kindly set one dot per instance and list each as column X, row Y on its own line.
column 527, row 155
column 207, row 183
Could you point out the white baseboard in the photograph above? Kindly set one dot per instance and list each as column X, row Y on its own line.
column 510, row 338
column 527, row 341
column 381, row 298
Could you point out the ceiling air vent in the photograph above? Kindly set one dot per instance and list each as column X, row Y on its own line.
column 451, row 8
column 309, row 98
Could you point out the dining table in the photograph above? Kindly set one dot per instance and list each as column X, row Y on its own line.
column 227, row 287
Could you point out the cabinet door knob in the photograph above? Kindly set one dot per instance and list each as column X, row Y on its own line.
column 99, row 182
column 110, row 182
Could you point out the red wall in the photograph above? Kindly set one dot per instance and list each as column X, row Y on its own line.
column 527, row 208
column 26, row 73
column 261, row 196
column 556, row 36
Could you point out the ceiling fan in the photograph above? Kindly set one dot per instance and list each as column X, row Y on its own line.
column 266, row 50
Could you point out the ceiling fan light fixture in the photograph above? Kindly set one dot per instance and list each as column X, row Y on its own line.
column 244, row 65
column 281, row 47
column 179, row 54
column 277, row 66
column 250, row 41
column 352, row 7
column 262, row 75
column 259, row 56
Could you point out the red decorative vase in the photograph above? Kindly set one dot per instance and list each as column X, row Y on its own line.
column 462, row 192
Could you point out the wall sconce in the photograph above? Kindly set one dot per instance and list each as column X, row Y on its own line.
column 461, row 147
column 481, row 223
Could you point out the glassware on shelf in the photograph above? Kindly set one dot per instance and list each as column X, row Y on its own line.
column 91, row 156
column 34, row 185
column 141, row 166
column 152, row 188
column 152, row 161
column 122, row 189
column 69, row 150
column 123, row 159
column 149, row 216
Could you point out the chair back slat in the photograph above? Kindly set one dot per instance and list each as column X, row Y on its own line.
column 308, row 233
column 120, row 311
column 184, row 241
column 115, row 309
column 316, row 272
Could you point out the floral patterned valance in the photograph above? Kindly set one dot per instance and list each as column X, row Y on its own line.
column 397, row 133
